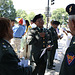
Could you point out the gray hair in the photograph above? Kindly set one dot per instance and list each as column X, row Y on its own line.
column 72, row 17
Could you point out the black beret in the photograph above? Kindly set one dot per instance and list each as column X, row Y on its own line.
column 70, row 9
column 37, row 17
column 56, row 22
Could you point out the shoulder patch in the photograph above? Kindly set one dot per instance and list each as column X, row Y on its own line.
column 70, row 57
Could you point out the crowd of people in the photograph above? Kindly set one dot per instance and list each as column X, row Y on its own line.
column 32, row 41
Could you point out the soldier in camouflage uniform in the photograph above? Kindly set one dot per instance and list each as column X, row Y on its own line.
column 39, row 38
column 68, row 64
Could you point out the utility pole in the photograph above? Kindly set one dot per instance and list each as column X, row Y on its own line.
column 48, row 13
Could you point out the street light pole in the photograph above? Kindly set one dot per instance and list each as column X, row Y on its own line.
column 48, row 14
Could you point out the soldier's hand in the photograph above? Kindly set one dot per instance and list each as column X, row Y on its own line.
column 49, row 47
column 60, row 37
column 42, row 34
column 68, row 31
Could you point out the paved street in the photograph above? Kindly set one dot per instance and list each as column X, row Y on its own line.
column 58, row 62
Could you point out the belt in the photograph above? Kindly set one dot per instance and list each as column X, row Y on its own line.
column 18, row 37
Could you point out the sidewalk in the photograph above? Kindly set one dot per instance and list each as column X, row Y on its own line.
column 57, row 63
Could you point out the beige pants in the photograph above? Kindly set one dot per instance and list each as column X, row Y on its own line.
column 25, row 48
column 16, row 44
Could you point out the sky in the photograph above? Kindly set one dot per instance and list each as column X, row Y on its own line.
column 39, row 6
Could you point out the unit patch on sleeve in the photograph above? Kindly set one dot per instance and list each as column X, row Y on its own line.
column 70, row 57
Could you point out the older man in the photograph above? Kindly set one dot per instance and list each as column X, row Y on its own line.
column 68, row 64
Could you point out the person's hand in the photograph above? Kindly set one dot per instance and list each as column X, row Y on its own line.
column 42, row 34
column 64, row 31
column 49, row 47
column 68, row 31
column 60, row 36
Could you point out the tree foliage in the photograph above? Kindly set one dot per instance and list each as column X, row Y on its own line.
column 7, row 9
column 60, row 15
column 31, row 16
column 21, row 13
column 44, row 17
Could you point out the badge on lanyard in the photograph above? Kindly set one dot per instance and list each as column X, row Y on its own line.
column 70, row 57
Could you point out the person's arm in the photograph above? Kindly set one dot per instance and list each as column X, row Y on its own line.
column 33, row 36
column 69, row 32
column 50, row 40
column 65, row 32
column 9, row 63
column 54, row 34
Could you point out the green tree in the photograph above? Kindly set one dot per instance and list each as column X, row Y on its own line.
column 31, row 16
column 21, row 13
column 7, row 9
column 44, row 17
column 58, row 15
